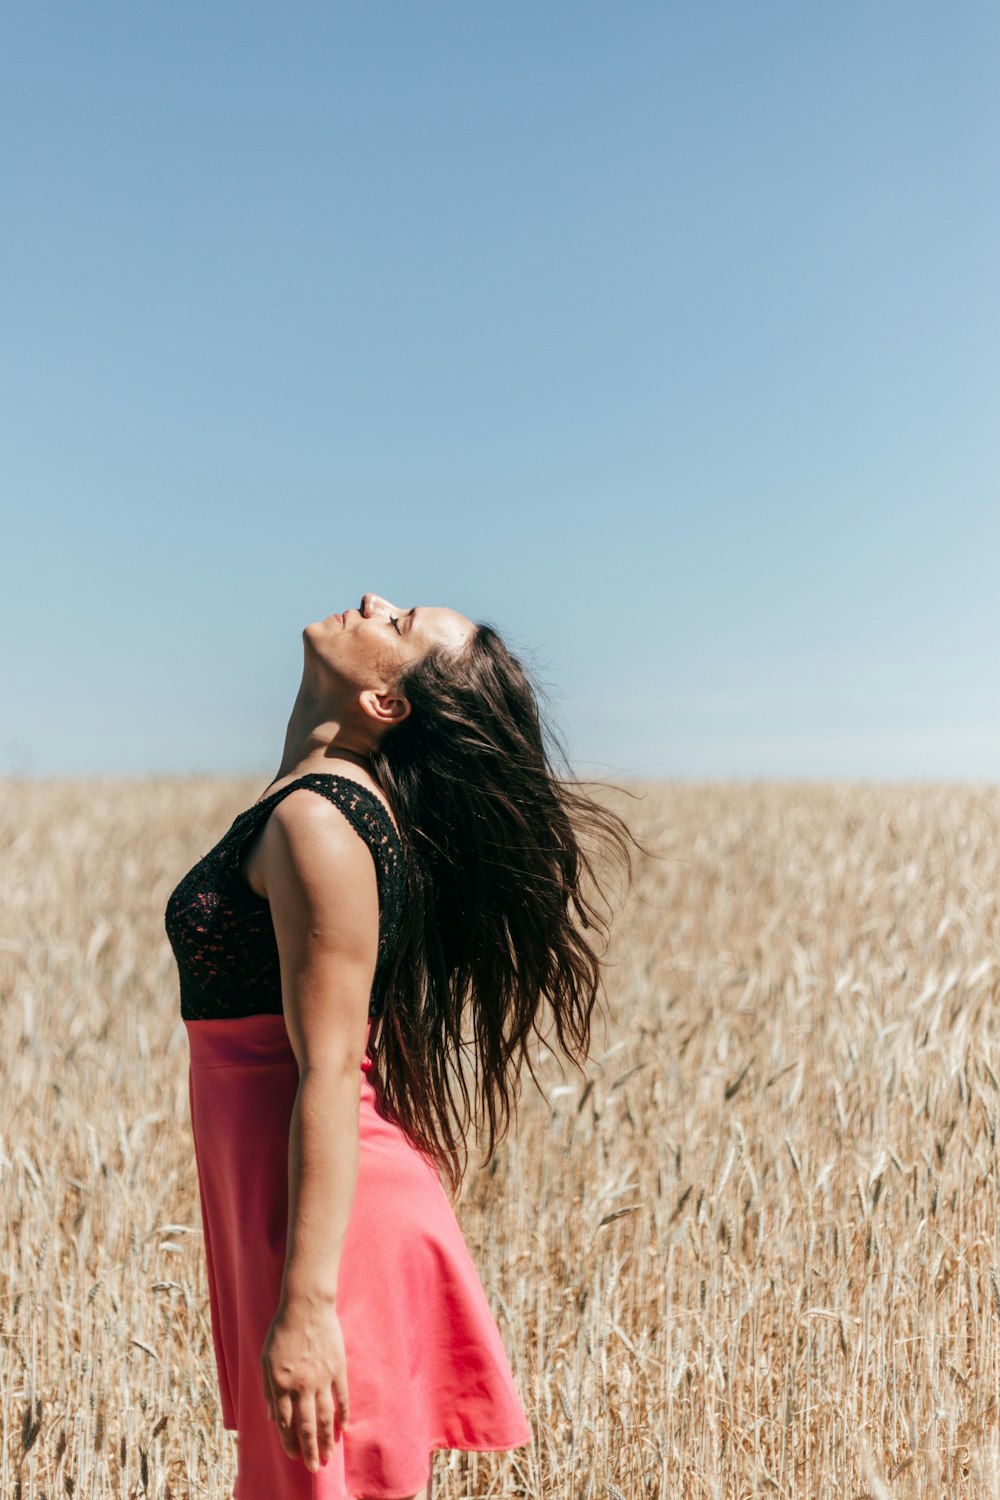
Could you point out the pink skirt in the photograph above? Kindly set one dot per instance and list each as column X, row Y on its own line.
column 426, row 1366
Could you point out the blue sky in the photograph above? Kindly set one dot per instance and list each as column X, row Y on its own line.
column 664, row 337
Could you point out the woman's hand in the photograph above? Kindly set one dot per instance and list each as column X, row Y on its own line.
column 305, row 1378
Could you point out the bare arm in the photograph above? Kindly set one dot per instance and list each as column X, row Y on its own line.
column 320, row 881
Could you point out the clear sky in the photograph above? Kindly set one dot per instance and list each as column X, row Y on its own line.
column 665, row 337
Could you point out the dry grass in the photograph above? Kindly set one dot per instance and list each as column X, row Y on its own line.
column 755, row 1252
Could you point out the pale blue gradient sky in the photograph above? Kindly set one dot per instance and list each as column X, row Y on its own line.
column 666, row 338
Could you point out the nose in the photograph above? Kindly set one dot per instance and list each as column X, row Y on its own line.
column 372, row 603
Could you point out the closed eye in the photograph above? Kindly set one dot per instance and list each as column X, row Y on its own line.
column 394, row 622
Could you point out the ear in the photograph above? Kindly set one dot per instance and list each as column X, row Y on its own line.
column 387, row 709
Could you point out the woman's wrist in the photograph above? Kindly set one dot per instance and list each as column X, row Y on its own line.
column 303, row 1291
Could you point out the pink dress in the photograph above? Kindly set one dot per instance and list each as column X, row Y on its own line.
column 426, row 1365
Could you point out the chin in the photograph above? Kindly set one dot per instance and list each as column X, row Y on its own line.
column 318, row 631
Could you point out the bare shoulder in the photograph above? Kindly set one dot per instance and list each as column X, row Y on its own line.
column 322, row 889
column 316, row 870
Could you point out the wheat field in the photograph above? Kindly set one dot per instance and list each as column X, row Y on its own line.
column 752, row 1252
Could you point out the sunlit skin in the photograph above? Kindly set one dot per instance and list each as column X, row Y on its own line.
column 346, row 701
column 320, row 882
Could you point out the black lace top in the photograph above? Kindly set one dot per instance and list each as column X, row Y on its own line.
column 220, row 929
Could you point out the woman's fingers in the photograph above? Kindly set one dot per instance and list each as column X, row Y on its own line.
column 284, row 1416
column 305, row 1380
column 326, row 1425
column 308, row 1422
column 307, row 1431
column 340, row 1397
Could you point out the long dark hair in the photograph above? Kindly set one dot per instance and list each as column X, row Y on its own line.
column 499, row 922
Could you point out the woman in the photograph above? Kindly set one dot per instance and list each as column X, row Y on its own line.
column 333, row 994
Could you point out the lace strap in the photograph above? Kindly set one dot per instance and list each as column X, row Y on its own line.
column 363, row 810
column 360, row 806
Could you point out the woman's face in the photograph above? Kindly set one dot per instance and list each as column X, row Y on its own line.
column 367, row 646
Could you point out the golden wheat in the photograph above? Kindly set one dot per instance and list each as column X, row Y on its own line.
column 753, row 1252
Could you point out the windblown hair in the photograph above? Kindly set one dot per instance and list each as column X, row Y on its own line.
column 498, row 924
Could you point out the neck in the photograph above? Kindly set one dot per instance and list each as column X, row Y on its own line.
column 316, row 734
